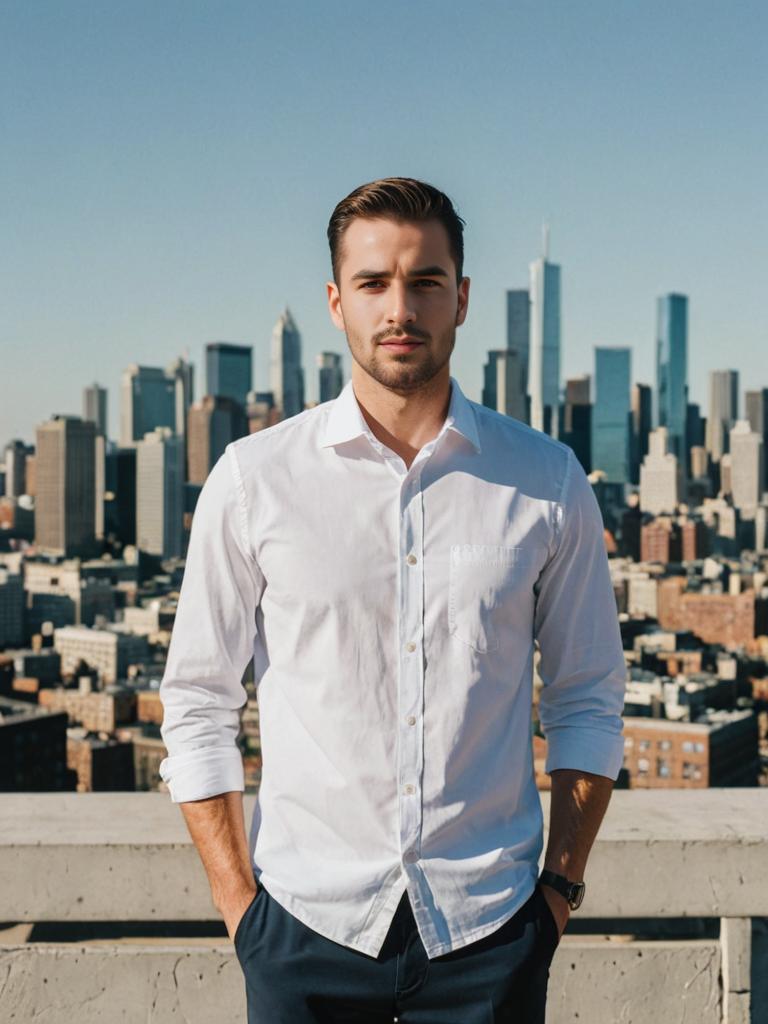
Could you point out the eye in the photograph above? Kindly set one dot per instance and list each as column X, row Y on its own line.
column 371, row 284
column 428, row 283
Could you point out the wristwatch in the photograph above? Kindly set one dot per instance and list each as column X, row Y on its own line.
column 573, row 891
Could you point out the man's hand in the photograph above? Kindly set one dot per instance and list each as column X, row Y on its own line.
column 218, row 831
column 234, row 906
column 559, row 905
column 578, row 802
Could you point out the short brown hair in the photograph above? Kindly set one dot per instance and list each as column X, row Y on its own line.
column 404, row 199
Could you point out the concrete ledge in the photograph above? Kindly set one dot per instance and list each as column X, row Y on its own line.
column 128, row 857
column 123, row 983
column 630, row 982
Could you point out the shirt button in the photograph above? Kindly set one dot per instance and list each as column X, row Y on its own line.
column 411, row 559
column 411, row 720
column 409, row 789
column 411, row 857
column 410, row 646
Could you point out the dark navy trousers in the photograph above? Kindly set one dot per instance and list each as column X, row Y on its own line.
column 293, row 975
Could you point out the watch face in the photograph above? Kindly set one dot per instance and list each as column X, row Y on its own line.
column 576, row 895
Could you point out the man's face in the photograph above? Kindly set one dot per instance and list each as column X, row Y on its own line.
column 397, row 299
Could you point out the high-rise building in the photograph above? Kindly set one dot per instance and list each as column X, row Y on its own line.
column 747, row 466
column 723, row 410
column 286, row 371
column 95, row 407
column 159, row 493
column 262, row 411
column 672, row 369
column 640, row 405
column 182, row 373
column 519, row 327
column 66, row 487
column 544, row 344
column 16, row 453
column 147, row 400
column 576, row 426
column 213, row 423
column 330, row 376
column 757, row 413
column 503, row 383
column 660, row 484
column 228, row 370
column 120, row 495
column 611, row 413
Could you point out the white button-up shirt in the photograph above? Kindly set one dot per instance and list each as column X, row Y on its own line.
column 392, row 613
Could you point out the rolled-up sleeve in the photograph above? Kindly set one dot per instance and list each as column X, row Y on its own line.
column 211, row 644
column 581, row 664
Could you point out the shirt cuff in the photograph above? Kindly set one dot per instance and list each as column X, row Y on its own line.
column 201, row 773
column 585, row 749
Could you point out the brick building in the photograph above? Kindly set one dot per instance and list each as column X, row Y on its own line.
column 720, row 749
column 728, row 619
column 99, row 711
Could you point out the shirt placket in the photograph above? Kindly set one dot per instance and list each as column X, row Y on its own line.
column 411, row 632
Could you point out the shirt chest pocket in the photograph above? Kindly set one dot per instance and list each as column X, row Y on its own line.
column 485, row 583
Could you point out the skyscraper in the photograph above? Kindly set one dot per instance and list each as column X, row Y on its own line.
column 182, row 373
column 672, row 369
column 95, row 407
column 228, row 370
column 519, row 326
column 723, row 410
column 544, row 345
column 160, row 493
column 287, row 373
column 757, row 413
column 147, row 400
column 66, row 487
column 15, row 468
column 330, row 377
column 747, row 466
column 503, row 388
column 213, row 423
column 611, row 413
column 640, row 404
column 576, row 429
column 660, row 476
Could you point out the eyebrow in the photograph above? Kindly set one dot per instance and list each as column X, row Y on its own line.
column 368, row 275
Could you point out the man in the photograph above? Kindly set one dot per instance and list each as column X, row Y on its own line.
column 389, row 559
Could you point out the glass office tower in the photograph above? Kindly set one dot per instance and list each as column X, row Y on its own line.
column 611, row 413
column 672, row 370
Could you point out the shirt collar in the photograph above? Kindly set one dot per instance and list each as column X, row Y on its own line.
column 345, row 421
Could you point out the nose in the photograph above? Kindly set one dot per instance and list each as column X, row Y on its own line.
column 401, row 309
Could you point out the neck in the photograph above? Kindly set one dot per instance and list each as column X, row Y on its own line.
column 404, row 422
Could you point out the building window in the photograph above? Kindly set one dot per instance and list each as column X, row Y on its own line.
column 698, row 748
column 687, row 746
column 665, row 744
column 642, row 765
column 628, row 742
column 691, row 771
column 644, row 744
column 662, row 768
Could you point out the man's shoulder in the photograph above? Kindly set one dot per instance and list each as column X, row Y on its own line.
column 511, row 434
column 287, row 437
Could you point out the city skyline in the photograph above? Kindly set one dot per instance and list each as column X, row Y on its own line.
column 155, row 203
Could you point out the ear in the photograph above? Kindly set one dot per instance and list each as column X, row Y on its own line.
column 334, row 305
column 463, row 301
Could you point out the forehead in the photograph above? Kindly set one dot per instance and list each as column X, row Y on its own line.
column 381, row 242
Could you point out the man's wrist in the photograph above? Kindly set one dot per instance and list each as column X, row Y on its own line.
column 571, row 890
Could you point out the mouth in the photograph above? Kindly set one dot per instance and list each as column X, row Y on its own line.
column 404, row 344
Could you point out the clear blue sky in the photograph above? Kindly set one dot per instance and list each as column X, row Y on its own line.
column 168, row 169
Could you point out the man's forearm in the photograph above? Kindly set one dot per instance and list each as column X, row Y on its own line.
column 578, row 802
column 217, row 828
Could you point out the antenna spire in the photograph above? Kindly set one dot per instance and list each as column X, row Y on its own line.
column 545, row 240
